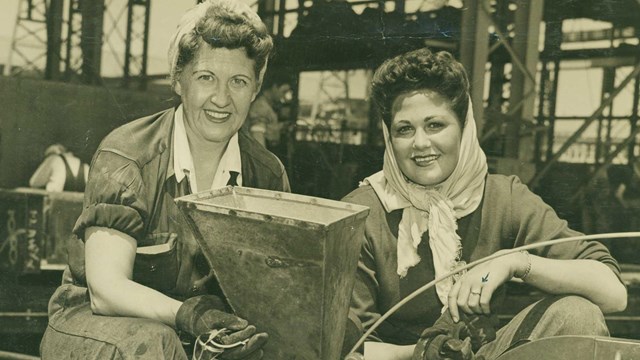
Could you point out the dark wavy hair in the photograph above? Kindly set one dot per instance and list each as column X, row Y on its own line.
column 420, row 70
column 224, row 24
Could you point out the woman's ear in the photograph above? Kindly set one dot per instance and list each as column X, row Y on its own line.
column 256, row 92
column 177, row 88
column 260, row 79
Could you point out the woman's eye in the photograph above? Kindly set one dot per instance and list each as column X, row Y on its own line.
column 404, row 130
column 238, row 83
column 434, row 125
column 205, row 77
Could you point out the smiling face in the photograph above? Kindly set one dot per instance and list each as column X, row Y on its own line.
column 425, row 136
column 217, row 89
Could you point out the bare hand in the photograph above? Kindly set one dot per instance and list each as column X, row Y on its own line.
column 473, row 291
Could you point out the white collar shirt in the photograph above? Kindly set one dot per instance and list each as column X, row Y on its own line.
column 183, row 161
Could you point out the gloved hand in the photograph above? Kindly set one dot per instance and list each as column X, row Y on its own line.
column 456, row 341
column 200, row 314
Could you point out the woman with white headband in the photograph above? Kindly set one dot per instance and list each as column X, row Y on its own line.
column 434, row 208
column 138, row 285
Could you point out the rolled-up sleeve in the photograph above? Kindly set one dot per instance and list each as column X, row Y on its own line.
column 536, row 221
column 114, row 196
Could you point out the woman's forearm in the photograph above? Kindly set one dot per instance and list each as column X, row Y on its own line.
column 109, row 258
column 590, row 279
column 128, row 298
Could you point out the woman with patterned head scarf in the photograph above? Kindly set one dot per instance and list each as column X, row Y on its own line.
column 434, row 208
column 138, row 285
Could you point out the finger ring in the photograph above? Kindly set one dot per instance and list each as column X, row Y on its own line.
column 475, row 292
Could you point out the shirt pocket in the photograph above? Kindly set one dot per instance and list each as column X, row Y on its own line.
column 156, row 266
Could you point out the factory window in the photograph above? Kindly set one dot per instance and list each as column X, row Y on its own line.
column 581, row 90
column 333, row 106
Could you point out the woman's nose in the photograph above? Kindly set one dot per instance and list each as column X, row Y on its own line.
column 220, row 97
column 422, row 140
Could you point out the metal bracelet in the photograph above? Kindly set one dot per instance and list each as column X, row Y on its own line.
column 528, row 270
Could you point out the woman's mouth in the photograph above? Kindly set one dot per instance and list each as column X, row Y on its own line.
column 424, row 160
column 217, row 116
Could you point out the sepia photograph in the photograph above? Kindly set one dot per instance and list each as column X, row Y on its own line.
column 320, row 179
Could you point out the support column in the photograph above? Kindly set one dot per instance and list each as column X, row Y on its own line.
column 474, row 52
column 631, row 155
column 528, row 17
column 553, row 38
column 266, row 9
column 54, row 39
column 603, row 146
column 136, row 43
column 91, row 40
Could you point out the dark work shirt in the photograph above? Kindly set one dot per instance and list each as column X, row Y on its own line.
column 510, row 215
column 132, row 187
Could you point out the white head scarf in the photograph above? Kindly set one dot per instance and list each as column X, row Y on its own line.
column 436, row 208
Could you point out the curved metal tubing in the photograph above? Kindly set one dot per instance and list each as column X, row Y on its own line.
column 424, row 288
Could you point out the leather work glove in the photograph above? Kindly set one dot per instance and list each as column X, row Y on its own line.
column 200, row 314
column 446, row 340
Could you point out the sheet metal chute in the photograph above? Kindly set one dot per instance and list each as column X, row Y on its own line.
column 285, row 262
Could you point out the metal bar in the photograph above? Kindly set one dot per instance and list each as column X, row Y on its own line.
column 15, row 356
column 91, row 40
column 498, row 79
column 507, row 46
column 54, row 39
column 544, row 80
column 552, row 109
column 145, row 45
column 609, row 111
column 608, row 80
column 406, row 299
column 528, row 17
column 23, row 314
column 634, row 118
column 281, row 15
column 266, row 11
column 474, row 53
column 71, row 31
column 127, row 49
column 576, row 135
column 614, row 117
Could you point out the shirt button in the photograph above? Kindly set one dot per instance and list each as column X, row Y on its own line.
column 152, row 268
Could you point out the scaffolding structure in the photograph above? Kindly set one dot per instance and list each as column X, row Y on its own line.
column 28, row 55
column 64, row 40
column 514, row 85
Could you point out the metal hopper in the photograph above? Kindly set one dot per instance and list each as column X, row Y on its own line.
column 285, row 262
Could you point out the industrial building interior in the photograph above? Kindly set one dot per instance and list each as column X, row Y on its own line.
column 555, row 87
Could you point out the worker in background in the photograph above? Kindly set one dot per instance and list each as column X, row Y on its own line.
column 263, row 122
column 627, row 194
column 61, row 170
column 598, row 204
column 138, row 285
